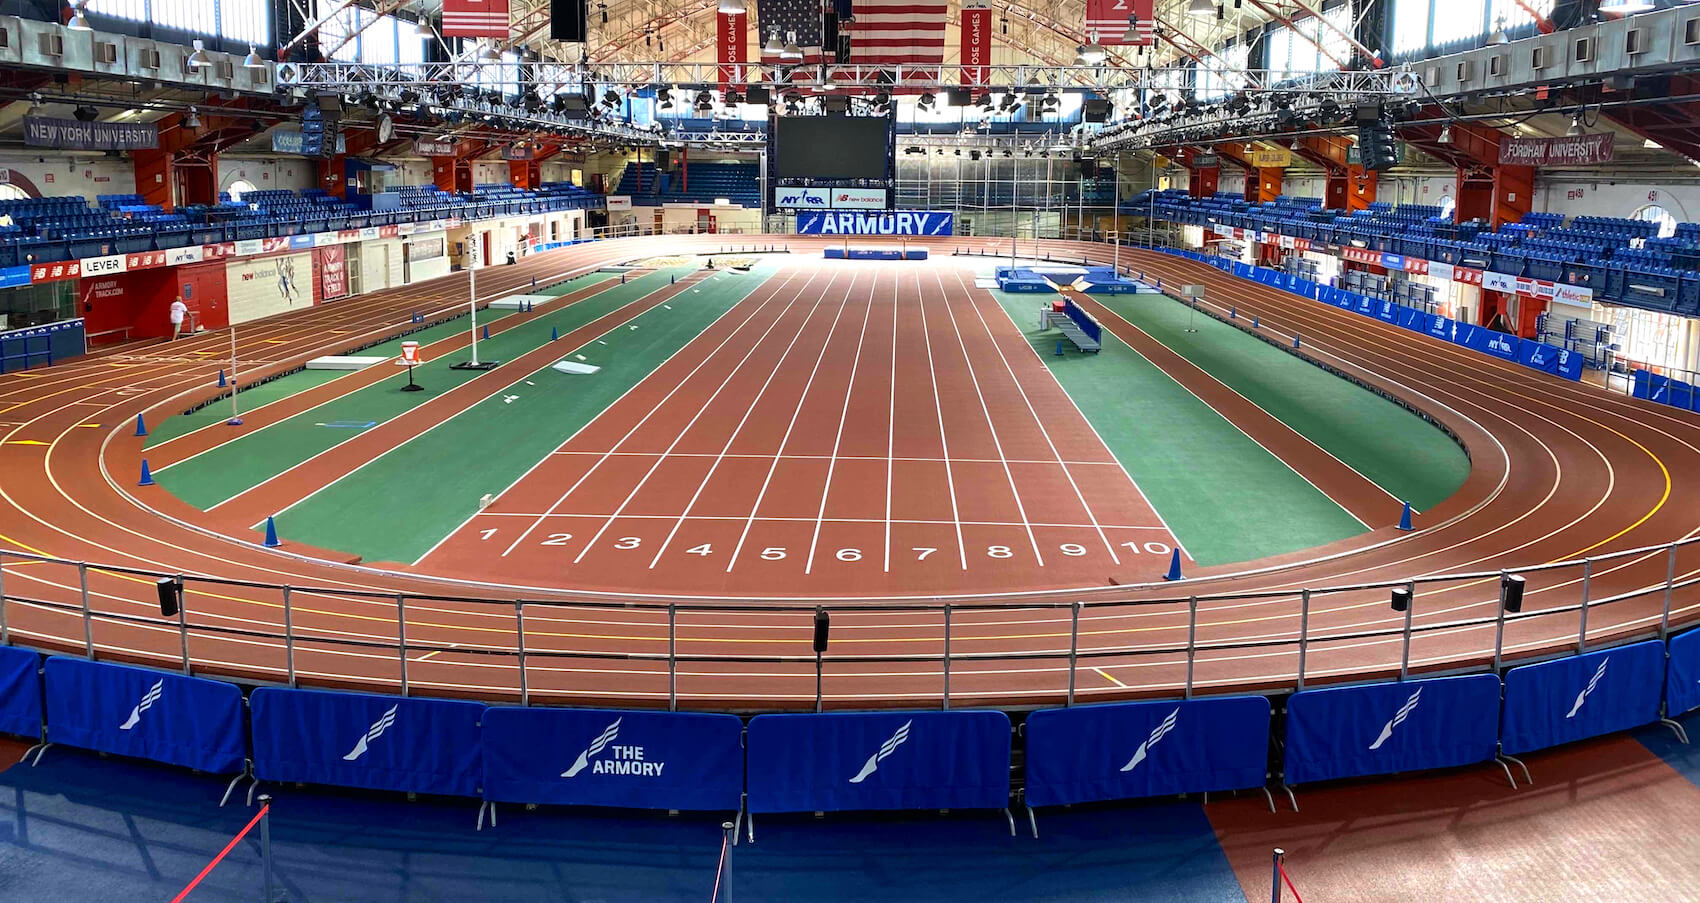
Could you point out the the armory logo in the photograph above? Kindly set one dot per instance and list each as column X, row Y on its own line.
column 886, row 749
column 372, row 733
column 148, row 699
column 899, row 223
column 1397, row 719
column 1593, row 682
column 1157, row 733
column 627, row 760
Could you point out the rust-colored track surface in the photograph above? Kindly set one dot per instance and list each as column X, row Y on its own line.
column 1559, row 471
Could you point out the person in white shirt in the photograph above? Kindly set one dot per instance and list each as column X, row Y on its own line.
column 179, row 311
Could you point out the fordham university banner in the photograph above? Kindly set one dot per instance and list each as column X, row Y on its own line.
column 1109, row 20
column 731, row 31
column 475, row 18
column 976, row 44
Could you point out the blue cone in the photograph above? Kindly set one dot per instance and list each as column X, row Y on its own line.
column 147, row 475
column 271, row 533
column 622, row 278
column 1405, row 517
column 486, row 335
column 1059, row 348
column 1233, row 313
column 534, row 282
column 1174, row 566
column 141, row 426
column 673, row 279
column 1295, row 340
column 221, row 381
column 554, row 333
column 1256, row 322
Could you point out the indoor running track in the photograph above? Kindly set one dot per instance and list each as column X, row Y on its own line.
column 868, row 429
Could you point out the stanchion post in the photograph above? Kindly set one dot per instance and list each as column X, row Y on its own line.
column 1275, row 875
column 183, row 622
column 401, row 637
column 1499, row 626
column 1664, row 615
column 1405, row 647
column 88, row 617
column 1582, row 620
column 947, row 655
column 725, row 880
column 672, row 657
column 265, row 848
column 1191, row 640
column 6, row 628
column 519, row 639
column 1304, row 633
column 1073, row 646
column 288, row 635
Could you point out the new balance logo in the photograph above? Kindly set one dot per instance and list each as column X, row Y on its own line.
column 148, row 699
column 596, row 746
column 1593, row 682
column 886, row 749
column 1397, row 719
column 1157, row 733
column 372, row 733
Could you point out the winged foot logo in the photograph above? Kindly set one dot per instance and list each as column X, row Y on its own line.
column 623, row 759
column 1582, row 697
column 1397, row 719
column 147, row 701
column 1157, row 734
column 886, row 749
column 372, row 733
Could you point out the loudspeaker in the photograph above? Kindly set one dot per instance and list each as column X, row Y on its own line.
column 1368, row 113
column 1095, row 109
column 569, row 20
column 574, row 106
column 1089, row 169
column 170, row 591
column 1511, row 593
column 959, row 97
column 758, row 94
column 329, row 103
column 823, row 623
column 1401, row 599
column 835, row 103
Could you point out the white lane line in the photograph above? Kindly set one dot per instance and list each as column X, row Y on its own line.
column 843, row 415
column 709, row 402
column 1037, row 420
column 891, row 432
column 986, row 411
column 944, row 443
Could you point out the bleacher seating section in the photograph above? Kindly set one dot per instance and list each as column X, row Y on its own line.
column 699, row 183
column 1622, row 261
column 44, row 230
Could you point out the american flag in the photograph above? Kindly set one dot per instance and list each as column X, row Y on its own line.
column 476, row 18
column 898, row 32
column 801, row 18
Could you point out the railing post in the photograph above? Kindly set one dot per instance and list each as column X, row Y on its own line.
column 1582, row 623
column 519, row 637
column 1073, row 646
column 88, row 617
column 1664, row 616
column 947, row 655
column 288, row 635
column 401, row 637
column 183, row 621
column 1499, row 626
column 6, row 628
column 672, row 657
column 1410, row 613
column 1191, row 640
column 1304, row 633
column 266, row 848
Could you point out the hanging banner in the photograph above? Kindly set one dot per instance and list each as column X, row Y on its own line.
column 1271, row 158
column 435, row 148
column 976, row 45
column 333, row 273
column 1571, row 150
column 731, row 46
column 1110, row 19
column 72, row 134
column 475, row 18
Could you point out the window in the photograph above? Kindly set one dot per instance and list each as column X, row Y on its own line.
column 359, row 35
column 1653, row 213
column 1297, row 53
column 1223, row 75
column 1426, row 27
column 239, row 188
column 10, row 192
column 244, row 21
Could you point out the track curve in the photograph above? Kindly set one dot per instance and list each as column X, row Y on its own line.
column 1560, row 471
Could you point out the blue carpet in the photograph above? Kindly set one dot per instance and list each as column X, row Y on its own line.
column 1664, row 744
column 82, row 827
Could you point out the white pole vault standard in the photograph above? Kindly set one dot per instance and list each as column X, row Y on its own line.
column 235, row 415
column 474, row 246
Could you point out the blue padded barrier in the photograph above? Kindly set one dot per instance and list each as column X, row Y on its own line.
column 129, row 711
column 878, row 760
column 1137, row 749
column 1084, row 320
column 1343, row 732
column 1487, row 341
column 20, row 692
column 1682, row 674
column 631, row 759
column 367, row 740
column 1582, row 696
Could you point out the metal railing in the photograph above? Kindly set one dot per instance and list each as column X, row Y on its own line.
column 1010, row 651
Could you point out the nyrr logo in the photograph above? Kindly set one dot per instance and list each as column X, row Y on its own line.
column 372, row 733
column 1397, row 719
column 1157, row 734
column 1500, row 344
column 886, row 749
column 624, row 759
column 1593, row 682
column 148, row 699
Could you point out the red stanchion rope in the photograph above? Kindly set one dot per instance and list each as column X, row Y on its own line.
column 1284, row 880
column 223, row 853
column 719, row 870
